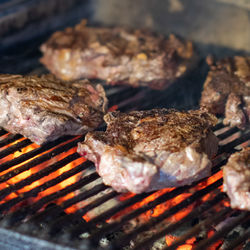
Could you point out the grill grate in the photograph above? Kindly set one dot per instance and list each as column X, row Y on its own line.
column 46, row 221
column 56, row 223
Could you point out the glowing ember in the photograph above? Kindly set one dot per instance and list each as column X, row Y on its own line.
column 170, row 239
column 185, row 247
column 188, row 246
column 39, row 182
column 113, row 108
column 154, row 212
column 167, row 205
column 216, row 245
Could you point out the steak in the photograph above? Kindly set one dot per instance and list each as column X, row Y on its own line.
column 44, row 108
column 117, row 55
column 148, row 150
column 236, row 175
column 227, row 90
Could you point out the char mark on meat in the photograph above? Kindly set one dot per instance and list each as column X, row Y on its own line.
column 118, row 56
column 44, row 108
column 148, row 150
column 227, row 90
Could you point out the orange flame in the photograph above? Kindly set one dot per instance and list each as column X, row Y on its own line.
column 188, row 246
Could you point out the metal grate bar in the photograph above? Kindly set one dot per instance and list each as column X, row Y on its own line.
column 227, row 133
column 229, row 146
column 30, row 210
column 11, row 138
column 218, row 166
column 58, row 224
column 136, row 100
column 54, row 212
column 83, row 196
column 112, row 92
column 3, row 132
column 205, row 206
column 14, row 148
column 218, row 126
column 202, row 226
column 121, row 98
column 222, row 158
column 221, row 233
column 27, row 181
column 163, row 198
column 107, row 214
column 241, row 239
column 97, row 202
column 173, row 210
column 20, row 215
column 71, row 188
column 32, row 153
column 39, row 160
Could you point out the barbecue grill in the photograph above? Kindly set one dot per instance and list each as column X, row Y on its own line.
column 51, row 198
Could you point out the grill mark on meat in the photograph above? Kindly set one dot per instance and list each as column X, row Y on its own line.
column 55, row 108
column 117, row 55
column 226, row 90
column 148, row 150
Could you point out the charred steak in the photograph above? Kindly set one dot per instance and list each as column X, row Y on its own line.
column 149, row 150
column 119, row 56
column 43, row 108
column 227, row 90
column 236, row 175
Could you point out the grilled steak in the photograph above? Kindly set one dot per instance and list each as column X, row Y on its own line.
column 119, row 56
column 227, row 90
column 149, row 150
column 43, row 108
column 236, row 175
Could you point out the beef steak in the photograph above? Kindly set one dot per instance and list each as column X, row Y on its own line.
column 236, row 175
column 227, row 90
column 149, row 150
column 119, row 56
column 44, row 108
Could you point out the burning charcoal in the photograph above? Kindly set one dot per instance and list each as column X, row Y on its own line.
column 227, row 90
column 119, row 56
column 231, row 237
column 44, row 108
column 148, row 150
